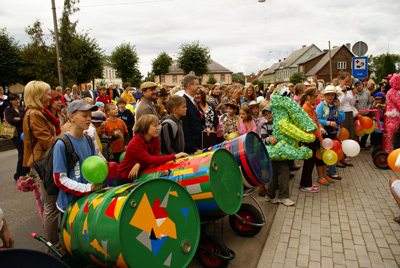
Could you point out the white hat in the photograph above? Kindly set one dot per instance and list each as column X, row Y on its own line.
column 331, row 89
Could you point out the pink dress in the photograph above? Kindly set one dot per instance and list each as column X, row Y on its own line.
column 243, row 129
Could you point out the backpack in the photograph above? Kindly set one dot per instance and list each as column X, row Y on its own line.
column 174, row 127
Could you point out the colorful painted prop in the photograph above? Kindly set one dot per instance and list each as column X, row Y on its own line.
column 212, row 178
column 149, row 224
column 392, row 113
column 252, row 157
column 290, row 126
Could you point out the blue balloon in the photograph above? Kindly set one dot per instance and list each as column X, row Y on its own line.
column 22, row 136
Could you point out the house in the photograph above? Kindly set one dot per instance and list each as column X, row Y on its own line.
column 109, row 76
column 269, row 75
column 258, row 76
column 319, row 64
column 175, row 75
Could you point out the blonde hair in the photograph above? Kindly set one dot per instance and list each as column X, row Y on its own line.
column 34, row 93
column 245, row 108
column 309, row 92
column 143, row 124
column 88, row 100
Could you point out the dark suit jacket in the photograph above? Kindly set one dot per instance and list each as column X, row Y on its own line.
column 192, row 124
column 120, row 91
column 96, row 94
column 86, row 94
column 115, row 93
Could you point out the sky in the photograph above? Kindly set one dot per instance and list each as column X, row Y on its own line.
column 243, row 35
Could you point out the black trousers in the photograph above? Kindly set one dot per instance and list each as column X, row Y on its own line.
column 19, row 144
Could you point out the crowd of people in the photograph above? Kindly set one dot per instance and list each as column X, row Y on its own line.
column 156, row 125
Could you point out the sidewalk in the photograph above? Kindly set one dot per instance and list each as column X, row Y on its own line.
column 347, row 224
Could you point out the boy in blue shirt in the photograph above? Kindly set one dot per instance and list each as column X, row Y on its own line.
column 71, row 181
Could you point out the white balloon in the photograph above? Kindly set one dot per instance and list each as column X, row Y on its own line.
column 350, row 148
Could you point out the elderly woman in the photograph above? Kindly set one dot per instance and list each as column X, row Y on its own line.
column 67, row 95
column 39, row 134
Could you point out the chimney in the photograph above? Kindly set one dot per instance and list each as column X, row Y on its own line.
column 303, row 46
column 348, row 45
column 284, row 58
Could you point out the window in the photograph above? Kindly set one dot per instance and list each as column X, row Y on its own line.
column 341, row 65
column 162, row 79
column 174, row 79
column 301, row 68
column 222, row 78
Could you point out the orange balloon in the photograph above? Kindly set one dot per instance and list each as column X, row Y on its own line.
column 343, row 134
column 319, row 153
column 340, row 154
column 366, row 122
column 392, row 160
column 359, row 116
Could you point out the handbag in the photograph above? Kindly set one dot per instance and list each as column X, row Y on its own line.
column 355, row 111
column 8, row 130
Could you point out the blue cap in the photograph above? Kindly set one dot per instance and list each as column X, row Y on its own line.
column 356, row 82
column 99, row 103
column 379, row 95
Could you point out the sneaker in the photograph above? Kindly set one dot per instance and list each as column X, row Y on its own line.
column 312, row 189
column 272, row 200
column 286, row 201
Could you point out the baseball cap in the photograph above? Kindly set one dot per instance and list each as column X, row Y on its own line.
column 98, row 117
column 99, row 103
column 80, row 105
column 267, row 109
column 356, row 82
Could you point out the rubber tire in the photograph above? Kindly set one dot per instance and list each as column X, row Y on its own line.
column 375, row 151
column 380, row 160
column 209, row 260
column 250, row 214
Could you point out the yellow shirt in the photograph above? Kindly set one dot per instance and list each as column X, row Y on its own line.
column 128, row 97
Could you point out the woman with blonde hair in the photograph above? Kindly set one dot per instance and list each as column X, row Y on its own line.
column 249, row 94
column 237, row 95
column 39, row 134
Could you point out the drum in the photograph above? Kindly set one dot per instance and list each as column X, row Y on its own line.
column 149, row 224
column 212, row 178
column 252, row 157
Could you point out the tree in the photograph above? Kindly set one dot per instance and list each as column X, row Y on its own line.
column 125, row 60
column 211, row 81
column 10, row 59
column 259, row 83
column 194, row 57
column 376, row 63
column 150, row 77
column 239, row 78
column 161, row 64
column 297, row 78
column 389, row 67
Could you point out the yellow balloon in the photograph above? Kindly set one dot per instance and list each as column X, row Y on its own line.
column 232, row 135
column 360, row 133
column 130, row 108
column 370, row 130
column 329, row 157
column 159, row 86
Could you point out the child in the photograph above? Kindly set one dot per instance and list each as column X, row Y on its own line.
column 280, row 169
column 126, row 116
column 255, row 113
column 103, row 97
column 127, row 95
column 379, row 104
column 70, row 181
column 105, row 142
column 230, row 119
column 143, row 149
column 97, row 119
column 100, row 105
column 245, row 123
column 116, row 128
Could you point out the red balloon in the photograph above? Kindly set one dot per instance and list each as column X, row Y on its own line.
column 319, row 153
column 112, row 170
column 336, row 146
column 366, row 122
column 340, row 154
column 357, row 125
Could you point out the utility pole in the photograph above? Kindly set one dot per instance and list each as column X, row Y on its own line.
column 330, row 61
column 60, row 76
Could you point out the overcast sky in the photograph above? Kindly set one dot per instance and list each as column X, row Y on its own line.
column 243, row 35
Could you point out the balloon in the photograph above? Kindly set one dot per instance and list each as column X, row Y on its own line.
column 319, row 153
column 329, row 157
column 361, row 133
column 336, row 146
column 94, row 169
column 359, row 116
column 369, row 131
column 327, row 143
column 350, row 148
column 130, row 108
column 121, row 157
column 366, row 122
column 112, row 170
column 232, row 135
column 343, row 134
column 159, row 86
column 358, row 126
column 22, row 136
column 392, row 160
column 340, row 154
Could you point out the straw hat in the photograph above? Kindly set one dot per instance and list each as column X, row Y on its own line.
column 331, row 89
column 253, row 103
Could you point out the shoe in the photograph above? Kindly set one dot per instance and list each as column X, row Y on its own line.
column 295, row 167
column 323, row 181
column 272, row 200
column 312, row 189
column 340, row 165
column 335, row 177
column 347, row 163
column 286, row 201
column 397, row 219
column 329, row 179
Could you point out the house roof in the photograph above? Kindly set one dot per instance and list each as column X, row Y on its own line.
column 324, row 60
column 295, row 55
column 313, row 56
column 273, row 68
column 213, row 67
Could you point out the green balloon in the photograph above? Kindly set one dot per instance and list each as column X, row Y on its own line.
column 121, row 157
column 94, row 169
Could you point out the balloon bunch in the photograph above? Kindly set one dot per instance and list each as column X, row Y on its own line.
column 333, row 151
column 96, row 170
column 364, row 125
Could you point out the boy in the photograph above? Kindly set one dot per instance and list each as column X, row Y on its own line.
column 126, row 95
column 71, row 181
column 280, row 169
column 126, row 116
column 103, row 97
column 116, row 128
column 105, row 142
column 229, row 120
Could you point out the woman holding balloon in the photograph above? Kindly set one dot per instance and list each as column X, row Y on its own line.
column 330, row 115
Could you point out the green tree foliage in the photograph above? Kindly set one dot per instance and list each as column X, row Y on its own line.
column 161, row 64
column 10, row 59
column 194, row 57
column 297, row 78
column 150, row 77
column 259, row 83
column 389, row 66
column 376, row 64
column 239, row 78
column 211, row 80
column 124, row 59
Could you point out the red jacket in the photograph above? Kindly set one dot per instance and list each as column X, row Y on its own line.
column 143, row 152
column 106, row 100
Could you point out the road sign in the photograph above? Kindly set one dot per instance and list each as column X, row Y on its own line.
column 360, row 48
column 360, row 67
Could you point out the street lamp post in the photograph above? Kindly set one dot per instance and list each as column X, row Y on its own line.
column 60, row 76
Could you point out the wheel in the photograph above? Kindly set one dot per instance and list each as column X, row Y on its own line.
column 208, row 259
column 380, row 160
column 375, row 151
column 250, row 214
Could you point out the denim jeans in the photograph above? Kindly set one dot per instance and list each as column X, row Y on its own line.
column 332, row 170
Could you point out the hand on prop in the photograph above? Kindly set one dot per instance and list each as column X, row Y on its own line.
column 181, row 154
column 96, row 186
column 134, row 171
column 273, row 140
column 208, row 131
column 198, row 151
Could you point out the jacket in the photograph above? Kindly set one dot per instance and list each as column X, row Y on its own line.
column 43, row 136
column 192, row 124
column 314, row 117
column 323, row 113
column 11, row 113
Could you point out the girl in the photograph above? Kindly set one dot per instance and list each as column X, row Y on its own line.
column 249, row 94
column 307, row 100
column 230, row 119
column 143, row 150
column 237, row 95
column 215, row 98
column 255, row 111
column 245, row 124
column 226, row 97
column 298, row 91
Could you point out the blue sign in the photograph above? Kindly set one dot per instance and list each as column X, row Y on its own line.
column 360, row 67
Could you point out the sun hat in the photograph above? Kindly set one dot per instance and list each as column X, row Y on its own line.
column 253, row 103
column 232, row 104
column 331, row 89
column 80, row 105
column 98, row 117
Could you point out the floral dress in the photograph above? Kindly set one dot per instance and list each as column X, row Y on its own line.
column 209, row 117
column 229, row 125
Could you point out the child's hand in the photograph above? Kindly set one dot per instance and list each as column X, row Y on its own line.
column 334, row 125
column 273, row 140
column 181, row 154
column 322, row 131
column 198, row 152
column 5, row 235
column 134, row 171
column 96, row 186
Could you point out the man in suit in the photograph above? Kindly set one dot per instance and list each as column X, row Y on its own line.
column 96, row 91
column 112, row 92
column 191, row 123
column 88, row 93
column 119, row 90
